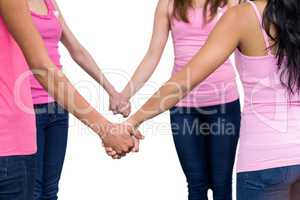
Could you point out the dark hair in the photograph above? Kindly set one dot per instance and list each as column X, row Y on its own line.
column 284, row 17
column 211, row 6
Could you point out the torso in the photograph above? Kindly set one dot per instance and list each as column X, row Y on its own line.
column 47, row 23
column 270, row 121
column 188, row 38
column 17, row 122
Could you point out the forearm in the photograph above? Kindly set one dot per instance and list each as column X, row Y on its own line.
column 17, row 18
column 160, row 34
column 141, row 75
column 176, row 88
column 212, row 55
column 89, row 65
column 57, row 84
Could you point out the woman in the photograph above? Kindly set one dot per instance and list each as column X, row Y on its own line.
column 265, row 35
column 205, row 150
column 52, row 120
column 20, row 42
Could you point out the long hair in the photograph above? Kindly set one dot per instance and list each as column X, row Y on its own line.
column 210, row 9
column 283, row 16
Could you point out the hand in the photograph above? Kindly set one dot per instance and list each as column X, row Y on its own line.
column 119, row 104
column 119, row 138
column 136, row 136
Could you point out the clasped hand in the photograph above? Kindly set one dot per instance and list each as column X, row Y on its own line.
column 121, row 138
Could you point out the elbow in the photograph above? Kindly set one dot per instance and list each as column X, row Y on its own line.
column 42, row 69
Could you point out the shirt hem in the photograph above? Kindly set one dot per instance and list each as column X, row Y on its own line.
column 19, row 153
column 199, row 104
column 267, row 166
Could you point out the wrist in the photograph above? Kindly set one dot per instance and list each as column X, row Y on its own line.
column 112, row 92
column 126, row 95
column 104, row 128
column 134, row 121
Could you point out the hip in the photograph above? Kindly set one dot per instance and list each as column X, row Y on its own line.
column 268, row 184
column 51, row 113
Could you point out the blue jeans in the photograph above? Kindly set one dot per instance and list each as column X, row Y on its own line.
column 52, row 135
column 17, row 177
column 206, row 140
column 270, row 184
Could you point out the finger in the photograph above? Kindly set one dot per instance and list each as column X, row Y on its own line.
column 113, row 108
column 108, row 149
column 119, row 152
column 122, row 111
column 112, row 153
column 136, row 147
column 138, row 135
column 116, row 157
column 126, row 112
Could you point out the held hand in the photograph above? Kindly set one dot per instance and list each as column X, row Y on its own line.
column 119, row 138
column 136, row 136
column 119, row 104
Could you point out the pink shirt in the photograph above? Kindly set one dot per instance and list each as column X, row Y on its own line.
column 17, row 122
column 270, row 126
column 188, row 38
column 51, row 31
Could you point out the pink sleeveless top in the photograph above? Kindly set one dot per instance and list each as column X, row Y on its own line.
column 188, row 38
column 270, row 127
column 17, row 122
column 51, row 31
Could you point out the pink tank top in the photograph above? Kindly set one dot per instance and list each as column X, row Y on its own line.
column 188, row 38
column 17, row 122
column 51, row 31
column 270, row 127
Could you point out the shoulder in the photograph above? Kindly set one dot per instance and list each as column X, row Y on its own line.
column 240, row 13
column 164, row 7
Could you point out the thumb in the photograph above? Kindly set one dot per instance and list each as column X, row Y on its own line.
column 138, row 135
column 134, row 132
column 136, row 145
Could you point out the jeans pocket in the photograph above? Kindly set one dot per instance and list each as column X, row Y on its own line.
column 274, row 176
column 266, row 178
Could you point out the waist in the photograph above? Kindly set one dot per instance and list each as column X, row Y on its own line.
column 225, row 73
column 17, row 134
column 208, row 94
column 38, row 93
column 269, row 139
column 55, row 57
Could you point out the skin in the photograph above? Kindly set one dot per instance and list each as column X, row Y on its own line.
column 17, row 18
column 84, row 59
column 243, row 34
column 160, row 35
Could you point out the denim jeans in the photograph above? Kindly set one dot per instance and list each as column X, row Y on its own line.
column 270, row 184
column 17, row 177
column 206, row 141
column 52, row 135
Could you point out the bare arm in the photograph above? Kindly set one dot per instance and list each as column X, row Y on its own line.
column 154, row 53
column 17, row 17
column 216, row 50
column 82, row 57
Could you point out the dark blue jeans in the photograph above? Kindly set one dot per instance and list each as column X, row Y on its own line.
column 270, row 184
column 206, row 140
column 52, row 135
column 17, row 177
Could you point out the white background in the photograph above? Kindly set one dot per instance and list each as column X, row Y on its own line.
column 117, row 34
